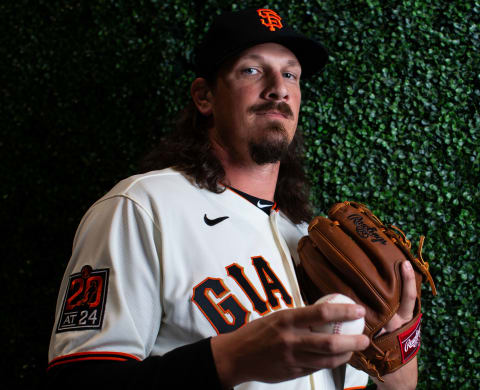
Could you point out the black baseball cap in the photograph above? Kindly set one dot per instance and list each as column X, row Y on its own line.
column 233, row 32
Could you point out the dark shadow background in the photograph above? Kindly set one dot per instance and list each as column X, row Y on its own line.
column 88, row 87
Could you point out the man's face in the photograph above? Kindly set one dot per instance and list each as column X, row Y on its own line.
column 255, row 104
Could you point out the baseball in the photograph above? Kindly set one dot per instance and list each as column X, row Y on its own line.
column 348, row 327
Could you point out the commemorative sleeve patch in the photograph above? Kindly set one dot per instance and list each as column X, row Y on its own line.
column 84, row 303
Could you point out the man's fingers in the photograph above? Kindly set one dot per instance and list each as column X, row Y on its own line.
column 334, row 344
column 312, row 361
column 409, row 292
column 322, row 313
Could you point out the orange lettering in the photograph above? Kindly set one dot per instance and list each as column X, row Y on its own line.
column 270, row 18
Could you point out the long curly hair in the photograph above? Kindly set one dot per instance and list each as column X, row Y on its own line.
column 188, row 149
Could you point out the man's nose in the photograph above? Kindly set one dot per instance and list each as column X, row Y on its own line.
column 275, row 88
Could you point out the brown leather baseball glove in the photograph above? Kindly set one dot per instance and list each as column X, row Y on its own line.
column 353, row 253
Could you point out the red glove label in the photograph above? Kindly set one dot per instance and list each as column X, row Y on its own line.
column 410, row 341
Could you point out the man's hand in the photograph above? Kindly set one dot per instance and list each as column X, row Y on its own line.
column 281, row 346
column 407, row 376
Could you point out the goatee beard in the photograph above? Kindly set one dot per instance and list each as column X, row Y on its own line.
column 268, row 149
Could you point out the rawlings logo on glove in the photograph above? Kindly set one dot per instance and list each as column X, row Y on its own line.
column 364, row 230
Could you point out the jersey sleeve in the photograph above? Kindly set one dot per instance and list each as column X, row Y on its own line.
column 110, row 296
column 109, row 307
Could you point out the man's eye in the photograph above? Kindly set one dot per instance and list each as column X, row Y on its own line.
column 289, row 75
column 250, row 71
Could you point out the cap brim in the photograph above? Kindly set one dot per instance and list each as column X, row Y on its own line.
column 312, row 56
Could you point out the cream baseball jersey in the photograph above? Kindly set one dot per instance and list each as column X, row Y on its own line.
column 158, row 263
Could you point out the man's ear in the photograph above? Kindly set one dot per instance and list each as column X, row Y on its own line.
column 202, row 95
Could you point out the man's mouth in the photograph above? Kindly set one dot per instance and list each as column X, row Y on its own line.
column 273, row 113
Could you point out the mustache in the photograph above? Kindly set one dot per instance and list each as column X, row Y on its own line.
column 281, row 107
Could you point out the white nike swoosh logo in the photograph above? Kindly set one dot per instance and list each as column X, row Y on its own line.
column 263, row 205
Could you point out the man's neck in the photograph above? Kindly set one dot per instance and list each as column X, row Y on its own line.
column 247, row 176
column 257, row 180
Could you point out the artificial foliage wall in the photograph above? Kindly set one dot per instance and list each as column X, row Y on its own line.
column 88, row 87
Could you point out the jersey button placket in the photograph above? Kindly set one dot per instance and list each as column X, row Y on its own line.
column 286, row 259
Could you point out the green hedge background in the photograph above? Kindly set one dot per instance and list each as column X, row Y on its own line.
column 88, row 87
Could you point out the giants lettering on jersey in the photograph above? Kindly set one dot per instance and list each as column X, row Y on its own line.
column 229, row 314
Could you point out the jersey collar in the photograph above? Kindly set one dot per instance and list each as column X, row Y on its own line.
column 265, row 205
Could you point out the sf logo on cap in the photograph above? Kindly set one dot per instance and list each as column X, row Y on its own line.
column 270, row 18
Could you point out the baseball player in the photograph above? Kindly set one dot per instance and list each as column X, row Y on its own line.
column 185, row 274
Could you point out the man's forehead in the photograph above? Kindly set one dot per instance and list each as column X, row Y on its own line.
column 269, row 52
